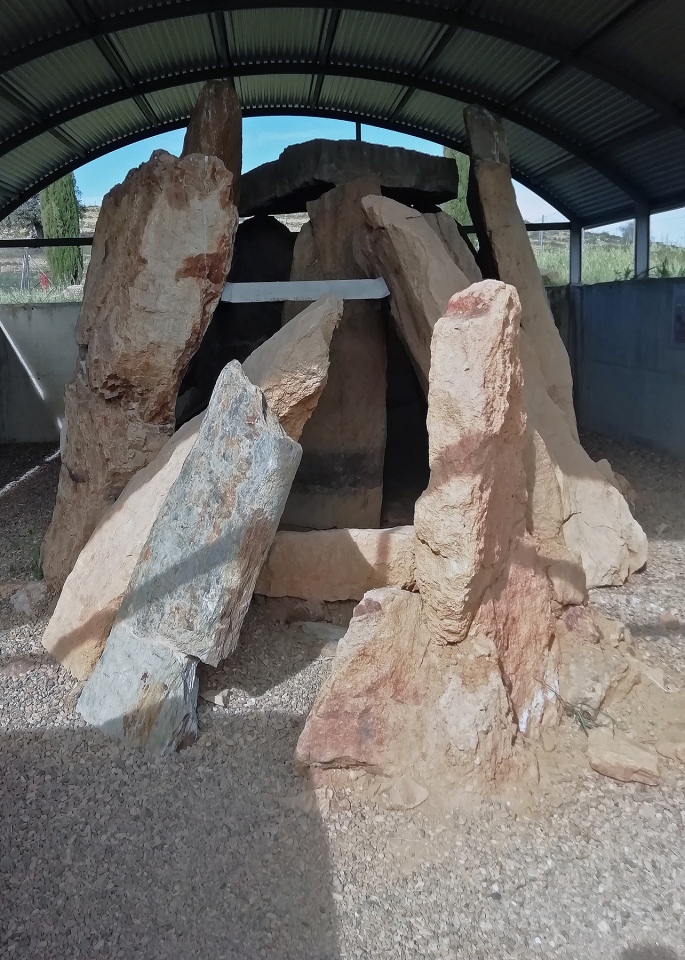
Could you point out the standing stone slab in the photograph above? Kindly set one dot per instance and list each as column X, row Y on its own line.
column 513, row 255
column 340, row 481
column 572, row 504
column 196, row 574
column 161, row 252
column 144, row 693
column 215, row 128
column 476, row 567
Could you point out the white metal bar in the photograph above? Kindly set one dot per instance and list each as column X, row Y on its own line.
column 275, row 290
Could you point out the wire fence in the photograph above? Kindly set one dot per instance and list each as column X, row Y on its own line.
column 25, row 275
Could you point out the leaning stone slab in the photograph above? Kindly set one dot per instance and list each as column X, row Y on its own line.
column 161, row 252
column 92, row 594
column 447, row 229
column 337, row 564
column 193, row 583
column 143, row 693
column 195, row 578
column 420, row 273
column 305, row 171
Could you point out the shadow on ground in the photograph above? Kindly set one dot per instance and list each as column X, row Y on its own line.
column 114, row 853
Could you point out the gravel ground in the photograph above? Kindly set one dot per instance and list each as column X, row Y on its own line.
column 224, row 852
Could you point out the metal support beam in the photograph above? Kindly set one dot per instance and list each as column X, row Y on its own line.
column 442, row 138
column 456, row 16
column 575, row 253
column 641, row 241
column 578, row 153
column 357, row 130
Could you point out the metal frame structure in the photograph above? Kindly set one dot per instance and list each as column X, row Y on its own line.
column 594, row 93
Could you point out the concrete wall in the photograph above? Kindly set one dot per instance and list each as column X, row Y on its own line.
column 629, row 369
column 37, row 357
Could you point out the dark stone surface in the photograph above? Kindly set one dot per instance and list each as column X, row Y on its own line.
column 305, row 171
column 263, row 251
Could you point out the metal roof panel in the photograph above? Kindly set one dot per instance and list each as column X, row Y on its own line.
column 382, row 39
column 285, row 35
column 165, row 48
column 586, row 109
column 488, row 65
column 69, row 75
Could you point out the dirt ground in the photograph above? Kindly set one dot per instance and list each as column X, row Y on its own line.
column 223, row 851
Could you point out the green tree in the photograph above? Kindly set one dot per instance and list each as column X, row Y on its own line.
column 60, row 215
column 25, row 221
column 459, row 208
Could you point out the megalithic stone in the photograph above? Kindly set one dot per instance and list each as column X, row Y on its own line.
column 161, row 252
column 215, row 128
column 400, row 245
column 196, row 575
column 513, row 255
column 144, row 693
column 340, row 482
column 595, row 524
column 192, row 586
column 291, row 369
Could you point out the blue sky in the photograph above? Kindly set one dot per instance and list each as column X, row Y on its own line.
column 265, row 137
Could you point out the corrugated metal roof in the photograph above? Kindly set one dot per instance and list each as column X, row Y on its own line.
column 593, row 92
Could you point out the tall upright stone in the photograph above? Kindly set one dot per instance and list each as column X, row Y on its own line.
column 442, row 681
column 161, row 252
column 569, row 496
column 513, row 255
column 400, row 245
column 215, row 128
column 340, row 480
column 291, row 370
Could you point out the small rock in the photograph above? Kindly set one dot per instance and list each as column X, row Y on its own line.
column 327, row 632
column 308, row 611
column 672, row 750
column 616, row 757
column 29, row 600
column 8, row 587
column 16, row 667
column 669, row 620
column 405, row 794
column 219, row 697
column 655, row 674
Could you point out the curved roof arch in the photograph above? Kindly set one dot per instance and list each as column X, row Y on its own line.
column 594, row 94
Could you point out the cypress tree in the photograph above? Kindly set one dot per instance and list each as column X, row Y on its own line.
column 60, row 216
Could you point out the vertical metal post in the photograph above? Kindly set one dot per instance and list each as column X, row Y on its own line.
column 641, row 241
column 575, row 253
column 358, row 130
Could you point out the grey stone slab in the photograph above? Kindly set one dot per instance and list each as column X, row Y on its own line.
column 196, row 574
column 304, row 171
column 143, row 693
